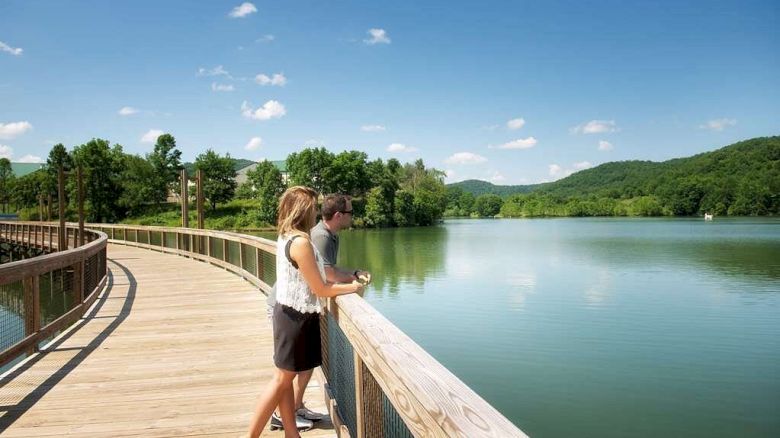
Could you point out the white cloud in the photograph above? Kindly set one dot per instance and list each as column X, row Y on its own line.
column 583, row 165
column 270, row 110
column 372, row 128
column 398, row 147
column 520, row 143
column 491, row 127
column 450, row 173
column 378, row 36
column 605, row 145
column 277, row 79
column 216, row 71
column 221, row 87
column 314, row 143
column 14, row 51
column 515, row 123
column 265, row 39
column 6, row 151
column 243, row 10
column 14, row 129
column 254, row 144
column 127, row 111
column 718, row 124
column 30, row 159
column 595, row 127
column 465, row 158
column 151, row 136
column 557, row 171
column 496, row 177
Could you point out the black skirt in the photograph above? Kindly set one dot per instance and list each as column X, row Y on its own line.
column 296, row 339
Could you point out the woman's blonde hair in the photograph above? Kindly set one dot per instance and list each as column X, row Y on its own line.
column 297, row 210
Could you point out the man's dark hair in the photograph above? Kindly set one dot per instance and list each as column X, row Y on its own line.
column 332, row 204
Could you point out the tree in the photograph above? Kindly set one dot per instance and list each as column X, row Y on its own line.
column 267, row 186
column 379, row 209
column 309, row 167
column 6, row 183
column 488, row 205
column 166, row 163
column 404, row 209
column 136, row 175
column 102, row 168
column 219, row 184
column 348, row 174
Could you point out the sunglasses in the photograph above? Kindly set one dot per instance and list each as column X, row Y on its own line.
column 345, row 211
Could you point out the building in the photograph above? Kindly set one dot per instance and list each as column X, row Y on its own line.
column 280, row 164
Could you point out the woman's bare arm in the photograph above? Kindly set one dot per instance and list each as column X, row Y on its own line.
column 303, row 254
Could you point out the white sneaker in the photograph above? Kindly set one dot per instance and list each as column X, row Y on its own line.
column 309, row 414
column 301, row 423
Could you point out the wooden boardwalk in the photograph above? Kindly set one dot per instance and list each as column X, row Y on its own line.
column 173, row 348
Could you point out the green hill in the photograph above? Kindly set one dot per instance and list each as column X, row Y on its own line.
column 739, row 179
column 478, row 187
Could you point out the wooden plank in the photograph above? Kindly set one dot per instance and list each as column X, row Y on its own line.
column 178, row 362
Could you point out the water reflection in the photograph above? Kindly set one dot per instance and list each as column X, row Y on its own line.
column 395, row 257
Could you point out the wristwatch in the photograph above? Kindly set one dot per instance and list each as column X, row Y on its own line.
column 356, row 274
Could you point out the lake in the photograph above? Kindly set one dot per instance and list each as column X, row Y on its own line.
column 594, row 327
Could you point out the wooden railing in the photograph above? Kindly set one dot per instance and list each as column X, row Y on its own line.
column 381, row 383
column 80, row 272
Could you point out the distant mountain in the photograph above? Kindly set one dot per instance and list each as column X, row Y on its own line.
column 726, row 170
column 740, row 166
column 478, row 187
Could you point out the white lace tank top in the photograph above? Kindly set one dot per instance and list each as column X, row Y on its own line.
column 291, row 288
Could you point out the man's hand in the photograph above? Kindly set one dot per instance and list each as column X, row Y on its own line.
column 364, row 277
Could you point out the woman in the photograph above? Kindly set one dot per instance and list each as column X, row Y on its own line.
column 300, row 281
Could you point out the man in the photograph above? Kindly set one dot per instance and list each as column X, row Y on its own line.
column 336, row 216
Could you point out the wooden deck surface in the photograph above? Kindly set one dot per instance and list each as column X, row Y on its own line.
column 173, row 348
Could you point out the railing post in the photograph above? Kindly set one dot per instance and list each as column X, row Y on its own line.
column 359, row 414
column 241, row 258
column 258, row 264
column 78, row 282
column 225, row 248
column 32, row 308
column 80, row 182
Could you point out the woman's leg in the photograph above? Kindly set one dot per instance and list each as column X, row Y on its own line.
column 287, row 411
column 272, row 395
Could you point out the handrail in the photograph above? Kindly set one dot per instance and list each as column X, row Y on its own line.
column 426, row 396
column 84, row 268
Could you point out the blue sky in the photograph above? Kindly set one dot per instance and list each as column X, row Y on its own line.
column 506, row 91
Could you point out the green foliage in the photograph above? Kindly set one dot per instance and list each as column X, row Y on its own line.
column 166, row 163
column 404, row 213
column 740, row 179
column 264, row 183
column 348, row 173
column 310, row 167
column 487, row 205
column 478, row 187
column 219, row 183
column 103, row 168
column 139, row 181
column 7, row 181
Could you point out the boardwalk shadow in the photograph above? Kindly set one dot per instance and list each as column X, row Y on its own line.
column 11, row 412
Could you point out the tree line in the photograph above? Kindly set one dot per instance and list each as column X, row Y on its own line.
column 119, row 185
column 742, row 179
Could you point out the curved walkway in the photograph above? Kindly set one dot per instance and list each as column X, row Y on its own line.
column 173, row 347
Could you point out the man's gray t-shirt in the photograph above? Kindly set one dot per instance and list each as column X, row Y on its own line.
column 326, row 243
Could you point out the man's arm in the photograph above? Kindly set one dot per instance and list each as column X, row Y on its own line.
column 334, row 274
